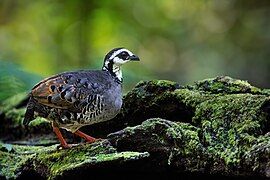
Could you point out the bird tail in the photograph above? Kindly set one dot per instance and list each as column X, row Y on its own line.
column 29, row 114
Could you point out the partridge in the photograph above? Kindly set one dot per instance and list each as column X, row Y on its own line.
column 71, row 100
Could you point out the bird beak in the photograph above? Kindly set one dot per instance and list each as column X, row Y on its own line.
column 134, row 58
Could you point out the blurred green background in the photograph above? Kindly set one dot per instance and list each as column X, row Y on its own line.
column 179, row 40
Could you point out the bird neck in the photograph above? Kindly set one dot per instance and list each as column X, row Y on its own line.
column 114, row 70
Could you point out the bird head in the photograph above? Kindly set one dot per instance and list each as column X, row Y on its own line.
column 115, row 59
column 118, row 57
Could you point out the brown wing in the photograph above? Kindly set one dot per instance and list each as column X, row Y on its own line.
column 60, row 91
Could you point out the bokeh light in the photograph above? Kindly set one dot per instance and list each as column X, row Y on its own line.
column 178, row 40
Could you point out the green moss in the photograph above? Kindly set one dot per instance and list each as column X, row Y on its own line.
column 165, row 83
column 13, row 101
column 225, row 84
column 11, row 163
column 224, row 119
column 187, row 138
column 13, row 158
column 60, row 161
column 80, row 161
column 155, row 85
column 55, row 162
column 15, row 116
column 241, row 111
column 224, row 123
column 227, row 115
column 38, row 122
column 258, row 156
column 161, row 83
column 190, row 97
column 176, row 140
column 266, row 91
column 12, row 116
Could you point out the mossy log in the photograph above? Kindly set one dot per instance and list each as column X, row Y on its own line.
column 216, row 127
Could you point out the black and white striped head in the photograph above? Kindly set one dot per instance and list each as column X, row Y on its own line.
column 118, row 57
column 115, row 59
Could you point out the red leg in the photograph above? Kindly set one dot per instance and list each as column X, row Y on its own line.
column 63, row 142
column 85, row 136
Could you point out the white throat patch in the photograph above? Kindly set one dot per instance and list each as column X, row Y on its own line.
column 118, row 73
column 115, row 70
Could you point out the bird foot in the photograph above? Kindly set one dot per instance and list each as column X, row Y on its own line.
column 88, row 138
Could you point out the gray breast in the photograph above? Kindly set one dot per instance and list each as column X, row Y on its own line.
column 101, row 102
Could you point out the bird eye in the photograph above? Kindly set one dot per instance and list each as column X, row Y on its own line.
column 124, row 55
